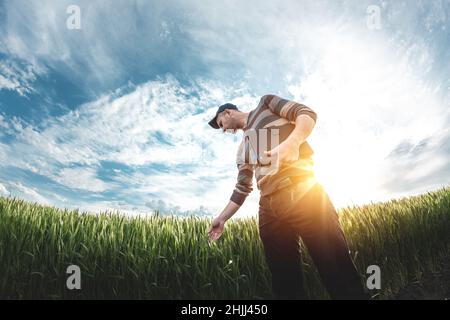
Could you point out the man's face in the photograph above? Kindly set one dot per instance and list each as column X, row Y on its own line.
column 227, row 120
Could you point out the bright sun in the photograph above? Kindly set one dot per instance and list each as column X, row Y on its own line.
column 347, row 180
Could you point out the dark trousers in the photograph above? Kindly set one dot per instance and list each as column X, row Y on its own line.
column 284, row 217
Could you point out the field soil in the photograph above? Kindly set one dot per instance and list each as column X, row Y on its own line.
column 432, row 286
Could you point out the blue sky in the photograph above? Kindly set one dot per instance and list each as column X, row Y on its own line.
column 113, row 116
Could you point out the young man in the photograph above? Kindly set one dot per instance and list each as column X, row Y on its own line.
column 292, row 203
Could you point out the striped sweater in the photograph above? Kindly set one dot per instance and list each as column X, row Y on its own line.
column 274, row 118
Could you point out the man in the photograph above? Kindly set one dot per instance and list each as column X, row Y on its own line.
column 292, row 203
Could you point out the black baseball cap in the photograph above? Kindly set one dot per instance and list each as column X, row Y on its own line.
column 223, row 107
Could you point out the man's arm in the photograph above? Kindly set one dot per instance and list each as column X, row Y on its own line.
column 241, row 191
column 304, row 125
column 218, row 223
column 230, row 209
column 287, row 109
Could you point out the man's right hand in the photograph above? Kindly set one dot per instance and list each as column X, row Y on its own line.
column 216, row 229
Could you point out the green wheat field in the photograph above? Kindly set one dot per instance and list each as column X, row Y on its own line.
column 168, row 257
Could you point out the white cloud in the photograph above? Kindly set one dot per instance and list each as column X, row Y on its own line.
column 3, row 190
column 7, row 84
column 14, row 76
column 80, row 178
column 130, row 129
column 30, row 194
column 157, row 123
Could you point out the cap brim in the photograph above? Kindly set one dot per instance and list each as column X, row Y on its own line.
column 213, row 123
